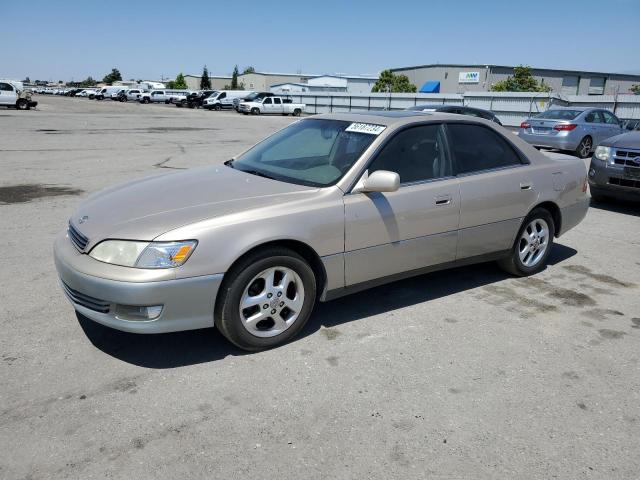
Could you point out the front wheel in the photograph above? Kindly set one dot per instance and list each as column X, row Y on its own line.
column 266, row 299
column 584, row 147
column 217, row 108
column 532, row 246
column 255, row 111
column 145, row 100
column 22, row 104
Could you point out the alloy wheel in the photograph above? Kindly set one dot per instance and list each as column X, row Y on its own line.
column 272, row 302
column 533, row 242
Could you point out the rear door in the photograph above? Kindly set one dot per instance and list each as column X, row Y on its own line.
column 277, row 105
column 496, row 189
column 594, row 122
column 413, row 227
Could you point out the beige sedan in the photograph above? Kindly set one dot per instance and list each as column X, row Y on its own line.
column 329, row 205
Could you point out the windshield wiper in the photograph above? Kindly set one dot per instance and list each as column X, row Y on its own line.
column 258, row 174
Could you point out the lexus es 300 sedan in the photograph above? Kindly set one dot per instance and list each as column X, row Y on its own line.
column 327, row 206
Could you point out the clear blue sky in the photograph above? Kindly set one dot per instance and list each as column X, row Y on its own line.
column 68, row 39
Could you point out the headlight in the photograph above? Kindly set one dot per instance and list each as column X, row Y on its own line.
column 603, row 153
column 143, row 254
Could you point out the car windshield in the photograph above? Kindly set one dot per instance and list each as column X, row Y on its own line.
column 313, row 152
column 560, row 114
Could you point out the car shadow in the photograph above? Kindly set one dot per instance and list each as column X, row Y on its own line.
column 173, row 350
column 618, row 206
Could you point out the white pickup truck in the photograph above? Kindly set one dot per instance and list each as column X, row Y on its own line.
column 13, row 94
column 273, row 105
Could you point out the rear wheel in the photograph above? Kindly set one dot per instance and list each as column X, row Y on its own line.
column 532, row 246
column 584, row 147
column 297, row 112
column 266, row 299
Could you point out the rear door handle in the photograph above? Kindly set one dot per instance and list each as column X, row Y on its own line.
column 443, row 199
column 526, row 186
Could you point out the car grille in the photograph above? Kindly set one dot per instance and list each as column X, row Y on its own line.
column 78, row 239
column 627, row 158
column 624, row 182
column 86, row 301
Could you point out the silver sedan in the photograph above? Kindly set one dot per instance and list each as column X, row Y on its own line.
column 328, row 206
column 574, row 129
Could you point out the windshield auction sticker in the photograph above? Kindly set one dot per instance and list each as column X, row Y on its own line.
column 369, row 128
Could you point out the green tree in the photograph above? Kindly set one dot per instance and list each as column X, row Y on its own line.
column 114, row 76
column 88, row 82
column 234, row 78
column 521, row 81
column 391, row 83
column 249, row 70
column 205, row 81
column 179, row 82
column 635, row 89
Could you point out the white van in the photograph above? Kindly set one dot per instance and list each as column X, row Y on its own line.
column 105, row 92
column 224, row 99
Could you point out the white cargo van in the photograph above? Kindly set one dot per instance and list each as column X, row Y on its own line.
column 105, row 92
column 224, row 99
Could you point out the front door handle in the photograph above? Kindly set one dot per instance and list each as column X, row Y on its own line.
column 526, row 186
column 443, row 199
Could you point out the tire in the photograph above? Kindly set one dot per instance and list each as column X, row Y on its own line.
column 217, row 108
column 522, row 260
column 584, row 147
column 255, row 111
column 22, row 104
column 297, row 112
column 245, row 113
column 145, row 100
column 250, row 273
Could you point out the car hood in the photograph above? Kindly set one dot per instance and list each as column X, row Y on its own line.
column 144, row 209
column 625, row 140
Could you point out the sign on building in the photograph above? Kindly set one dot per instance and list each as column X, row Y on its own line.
column 469, row 77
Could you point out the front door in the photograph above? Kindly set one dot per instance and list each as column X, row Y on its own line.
column 7, row 94
column 413, row 227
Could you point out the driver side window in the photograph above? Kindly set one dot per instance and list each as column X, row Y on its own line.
column 416, row 154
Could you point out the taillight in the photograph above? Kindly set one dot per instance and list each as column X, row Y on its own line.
column 565, row 127
column 525, row 125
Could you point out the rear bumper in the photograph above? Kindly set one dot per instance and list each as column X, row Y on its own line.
column 187, row 303
column 613, row 181
column 573, row 215
column 550, row 141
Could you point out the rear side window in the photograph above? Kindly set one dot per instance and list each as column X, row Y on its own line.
column 477, row 148
column 610, row 118
column 416, row 154
column 277, row 101
column 593, row 117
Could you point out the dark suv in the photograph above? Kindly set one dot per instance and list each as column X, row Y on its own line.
column 459, row 109
column 615, row 168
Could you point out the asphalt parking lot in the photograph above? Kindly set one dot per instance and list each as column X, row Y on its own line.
column 461, row 374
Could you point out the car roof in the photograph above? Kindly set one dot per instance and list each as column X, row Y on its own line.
column 396, row 118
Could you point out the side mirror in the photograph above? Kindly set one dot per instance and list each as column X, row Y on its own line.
column 378, row 181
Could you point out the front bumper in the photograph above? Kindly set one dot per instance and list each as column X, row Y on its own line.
column 613, row 180
column 557, row 141
column 188, row 303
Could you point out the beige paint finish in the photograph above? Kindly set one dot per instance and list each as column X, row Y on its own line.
column 358, row 236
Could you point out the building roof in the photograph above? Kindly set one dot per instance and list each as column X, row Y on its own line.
column 490, row 65
column 210, row 76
